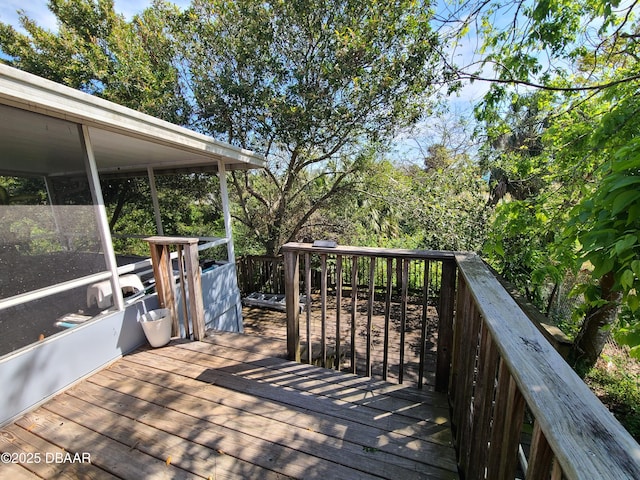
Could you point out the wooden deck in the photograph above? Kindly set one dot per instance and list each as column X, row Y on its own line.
column 229, row 407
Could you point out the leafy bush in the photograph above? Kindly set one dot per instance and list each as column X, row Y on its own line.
column 616, row 381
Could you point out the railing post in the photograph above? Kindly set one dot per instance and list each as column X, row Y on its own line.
column 162, row 272
column 292, row 301
column 445, row 324
column 194, row 284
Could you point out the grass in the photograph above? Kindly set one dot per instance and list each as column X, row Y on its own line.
column 616, row 381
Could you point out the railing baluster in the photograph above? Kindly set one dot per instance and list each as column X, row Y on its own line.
column 387, row 317
column 354, row 306
column 403, row 316
column 338, row 308
column 468, row 367
column 457, row 367
column 445, row 324
column 423, row 331
column 372, row 291
column 292, row 300
column 309, row 303
column 482, row 406
column 507, row 424
column 497, row 429
column 556, row 470
column 323, row 308
column 541, row 456
column 512, row 431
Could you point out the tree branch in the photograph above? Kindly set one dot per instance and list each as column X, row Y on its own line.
column 336, row 188
column 514, row 81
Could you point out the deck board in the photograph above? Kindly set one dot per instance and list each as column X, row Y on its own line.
column 19, row 440
column 18, row 472
column 230, row 407
column 345, row 387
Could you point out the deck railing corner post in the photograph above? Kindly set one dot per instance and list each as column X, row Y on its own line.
column 445, row 324
column 292, row 302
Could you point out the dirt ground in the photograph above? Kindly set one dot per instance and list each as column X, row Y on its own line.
column 272, row 323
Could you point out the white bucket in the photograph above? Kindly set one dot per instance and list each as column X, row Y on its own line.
column 157, row 326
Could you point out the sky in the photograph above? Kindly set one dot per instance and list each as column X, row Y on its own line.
column 37, row 10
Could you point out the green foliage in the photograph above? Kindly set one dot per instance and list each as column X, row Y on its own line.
column 17, row 191
column 607, row 224
column 521, row 246
column 319, row 87
column 569, row 203
column 290, row 72
column 524, row 242
column 447, row 209
column 628, row 331
column 409, row 207
column 99, row 52
column 616, row 381
column 189, row 206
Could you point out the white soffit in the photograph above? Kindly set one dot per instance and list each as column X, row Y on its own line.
column 38, row 134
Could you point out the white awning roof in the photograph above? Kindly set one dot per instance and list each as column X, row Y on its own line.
column 38, row 134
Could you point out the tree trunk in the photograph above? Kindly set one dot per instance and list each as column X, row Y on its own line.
column 593, row 333
column 273, row 240
column 123, row 195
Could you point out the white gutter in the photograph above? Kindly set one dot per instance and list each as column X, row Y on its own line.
column 36, row 94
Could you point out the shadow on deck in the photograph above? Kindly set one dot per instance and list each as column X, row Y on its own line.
column 272, row 324
column 229, row 407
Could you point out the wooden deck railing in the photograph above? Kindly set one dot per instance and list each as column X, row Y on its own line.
column 390, row 273
column 265, row 274
column 260, row 273
column 500, row 374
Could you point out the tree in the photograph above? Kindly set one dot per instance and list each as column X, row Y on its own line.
column 99, row 52
column 582, row 59
column 607, row 224
column 320, row 87
column 446, row 209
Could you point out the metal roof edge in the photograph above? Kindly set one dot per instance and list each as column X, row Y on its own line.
column 30, row 92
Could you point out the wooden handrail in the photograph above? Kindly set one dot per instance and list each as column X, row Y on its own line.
column 495, row 339
column 350, row 251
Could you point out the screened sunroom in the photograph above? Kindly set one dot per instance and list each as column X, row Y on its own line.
column 73, row 280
